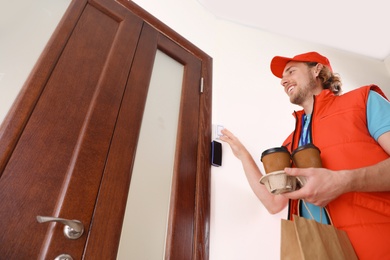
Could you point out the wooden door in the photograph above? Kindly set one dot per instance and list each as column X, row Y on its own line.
column 67, row 146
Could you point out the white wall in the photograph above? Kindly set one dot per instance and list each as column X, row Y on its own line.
column 22, row 41
column 250, row 102
column 247, row 99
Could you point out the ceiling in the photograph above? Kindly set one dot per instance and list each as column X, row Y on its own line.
column 361, row 27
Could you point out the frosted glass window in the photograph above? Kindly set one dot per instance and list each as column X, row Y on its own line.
column 145, row 225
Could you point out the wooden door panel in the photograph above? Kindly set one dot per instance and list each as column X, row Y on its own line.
column 56, row 166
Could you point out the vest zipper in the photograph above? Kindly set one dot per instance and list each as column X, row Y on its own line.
column 311, row 120
column 295, row 131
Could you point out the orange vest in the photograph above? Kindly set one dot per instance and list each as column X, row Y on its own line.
column 339, row 129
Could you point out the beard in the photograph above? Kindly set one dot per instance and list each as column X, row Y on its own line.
column 304, row 91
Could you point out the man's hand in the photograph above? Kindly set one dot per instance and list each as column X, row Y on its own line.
column 322, row 185
column 237, row 147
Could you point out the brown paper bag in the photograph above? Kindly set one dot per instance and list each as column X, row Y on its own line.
column 306, row 239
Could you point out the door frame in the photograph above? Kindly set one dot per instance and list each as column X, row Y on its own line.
column 201, row 233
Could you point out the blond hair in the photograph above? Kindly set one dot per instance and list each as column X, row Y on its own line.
column 329, row 80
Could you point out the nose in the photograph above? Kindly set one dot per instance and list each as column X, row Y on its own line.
column 283, row 81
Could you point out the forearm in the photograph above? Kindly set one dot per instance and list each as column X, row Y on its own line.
column 273, row 203
column 325, row 185
column 374, row 178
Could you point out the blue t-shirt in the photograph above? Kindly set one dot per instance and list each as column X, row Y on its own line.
column 378, row 123
column 378, row 115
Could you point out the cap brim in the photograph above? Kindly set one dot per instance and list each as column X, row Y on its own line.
column 278, row 63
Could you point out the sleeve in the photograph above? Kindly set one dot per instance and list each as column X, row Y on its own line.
column 378, row 114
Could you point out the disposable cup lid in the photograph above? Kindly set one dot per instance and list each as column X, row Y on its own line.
column 303, row 147
column 274, row 150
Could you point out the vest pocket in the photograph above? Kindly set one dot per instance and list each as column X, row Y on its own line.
column 377, row 203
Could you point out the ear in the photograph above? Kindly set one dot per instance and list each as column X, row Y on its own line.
column 318, row 68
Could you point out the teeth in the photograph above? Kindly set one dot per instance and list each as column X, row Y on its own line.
column 290, row 89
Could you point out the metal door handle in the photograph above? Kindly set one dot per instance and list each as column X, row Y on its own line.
column 73, row 229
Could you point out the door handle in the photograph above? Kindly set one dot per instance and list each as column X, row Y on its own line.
column 73, row 229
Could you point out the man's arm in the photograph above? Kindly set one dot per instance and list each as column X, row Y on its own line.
column 376, row 177
column 273, row 203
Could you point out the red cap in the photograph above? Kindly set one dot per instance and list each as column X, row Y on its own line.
column 278, row 63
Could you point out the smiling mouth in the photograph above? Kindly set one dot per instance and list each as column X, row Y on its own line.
column 290, row 89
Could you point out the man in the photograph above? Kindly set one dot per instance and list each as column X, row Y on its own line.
column 353, row 133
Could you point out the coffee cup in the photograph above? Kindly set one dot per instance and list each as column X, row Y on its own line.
column 276, row 159
column 307, row 156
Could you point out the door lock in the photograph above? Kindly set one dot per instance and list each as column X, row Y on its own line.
column 64, row 257
column 73, row 229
